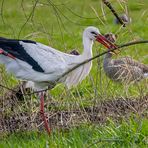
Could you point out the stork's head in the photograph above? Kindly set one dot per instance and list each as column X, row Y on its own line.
column 94, row 34
column 91, row 32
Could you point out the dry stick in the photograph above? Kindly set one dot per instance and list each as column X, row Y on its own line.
column 82, row 63
column 8, row 88
column 108, row 4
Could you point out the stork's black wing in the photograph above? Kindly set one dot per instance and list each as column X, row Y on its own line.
column 13, row 47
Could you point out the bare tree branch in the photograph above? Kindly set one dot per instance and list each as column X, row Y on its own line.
column 82, row 63
column 108, row 4
column 101, row 54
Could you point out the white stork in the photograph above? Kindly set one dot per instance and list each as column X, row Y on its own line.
column 42, row 65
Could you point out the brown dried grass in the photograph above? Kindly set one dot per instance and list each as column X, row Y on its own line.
column 14, row 118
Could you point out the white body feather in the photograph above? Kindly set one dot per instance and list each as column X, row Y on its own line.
column 53, row 62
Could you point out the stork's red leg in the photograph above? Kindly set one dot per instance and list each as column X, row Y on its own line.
column 43, row 113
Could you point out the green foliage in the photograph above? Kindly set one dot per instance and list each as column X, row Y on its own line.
column 61, row 26
column 129, row 133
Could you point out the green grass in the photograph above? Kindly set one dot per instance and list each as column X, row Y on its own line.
column 60, row 28
column 132, row 133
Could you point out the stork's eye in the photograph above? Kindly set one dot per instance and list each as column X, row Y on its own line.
column 94, row 33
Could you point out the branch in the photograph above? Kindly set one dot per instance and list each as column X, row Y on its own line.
column 82, row 63
column 101, row 54
column 108, row 4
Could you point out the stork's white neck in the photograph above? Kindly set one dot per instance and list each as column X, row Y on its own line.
column 87, row 43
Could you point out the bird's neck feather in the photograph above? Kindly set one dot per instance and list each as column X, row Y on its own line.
column 108, row 55
column 87, row 43
column 107, row 58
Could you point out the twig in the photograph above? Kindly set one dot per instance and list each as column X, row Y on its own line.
column 108, row 4
column 8, row 88
column 97, row 15
column 29, row 17
column 80, row 64
column 101, row 54
column 14, row 91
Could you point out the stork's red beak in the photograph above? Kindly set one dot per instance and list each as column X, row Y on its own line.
column 101, row 39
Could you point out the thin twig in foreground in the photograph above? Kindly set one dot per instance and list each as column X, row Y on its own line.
column 82, row 63
column 103, row 53
column 29, row 17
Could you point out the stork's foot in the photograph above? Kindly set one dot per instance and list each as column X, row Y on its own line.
column 43, row 116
